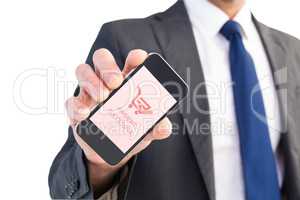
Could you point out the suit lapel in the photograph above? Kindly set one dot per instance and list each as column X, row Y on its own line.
column 174, row 35
column 277, row 55
column 277, row 59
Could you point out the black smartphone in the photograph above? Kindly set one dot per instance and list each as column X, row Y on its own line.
column 145, row 97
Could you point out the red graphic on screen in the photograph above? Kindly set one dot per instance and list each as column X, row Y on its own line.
column 140, row 104
column 125, row 126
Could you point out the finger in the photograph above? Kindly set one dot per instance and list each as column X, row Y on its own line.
column 107, row 68
column 76, row 110
column 139, row 147
column 86, row 99
column 135, row 57
column 91, row 83
column 162, row 130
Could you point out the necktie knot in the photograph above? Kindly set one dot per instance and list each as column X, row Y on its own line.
column 230, row 28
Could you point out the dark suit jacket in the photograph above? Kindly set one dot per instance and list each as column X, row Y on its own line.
column 181, row 167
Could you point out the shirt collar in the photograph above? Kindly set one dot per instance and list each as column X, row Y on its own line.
column 244, row 18
column 210, row 19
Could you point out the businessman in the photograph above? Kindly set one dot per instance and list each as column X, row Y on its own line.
column 236, row 136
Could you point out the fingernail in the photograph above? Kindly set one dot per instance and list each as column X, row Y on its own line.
column 104, row 93
column 115, row 80
column 167, row 127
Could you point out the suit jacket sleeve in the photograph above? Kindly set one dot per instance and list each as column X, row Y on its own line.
column 68, row 176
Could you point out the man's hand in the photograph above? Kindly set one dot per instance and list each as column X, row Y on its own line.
column 95, row 88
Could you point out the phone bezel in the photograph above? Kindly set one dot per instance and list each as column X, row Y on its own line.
column 102, row 145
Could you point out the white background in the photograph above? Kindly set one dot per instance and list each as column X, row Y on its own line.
column 41, row 43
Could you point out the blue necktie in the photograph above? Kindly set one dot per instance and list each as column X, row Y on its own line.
column 259, row 169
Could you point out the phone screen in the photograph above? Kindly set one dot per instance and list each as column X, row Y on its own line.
column 127, row 115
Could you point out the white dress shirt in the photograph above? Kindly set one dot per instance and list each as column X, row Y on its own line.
column 213, row 48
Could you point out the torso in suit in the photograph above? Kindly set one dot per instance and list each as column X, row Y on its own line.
column 181, row 167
